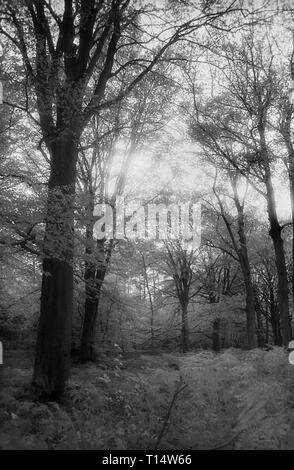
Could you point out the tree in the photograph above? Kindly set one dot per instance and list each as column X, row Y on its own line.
column 242, row 139
column 180, row 261
column 241, row 250
column 265, row 286
column 125, row 129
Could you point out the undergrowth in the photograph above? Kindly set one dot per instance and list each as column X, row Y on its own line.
column 232, row 400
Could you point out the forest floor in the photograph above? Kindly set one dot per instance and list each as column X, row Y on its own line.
column 231, row 400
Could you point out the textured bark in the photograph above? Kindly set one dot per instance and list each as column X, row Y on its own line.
column 94, row 277
column 52, row 362
column 274, row 318
column 87, row 349
column 283, row 290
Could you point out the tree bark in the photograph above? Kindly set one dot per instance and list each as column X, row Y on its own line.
column 260, row 329
column 52, row 362
column 185, row 327
column 150, row 301
column 283, row 289
column 286, row 133
column 250, row 299
column 242, row 252
column 291, row 187
column 94, row 277
column 275, row 233
column 274, row 318
column 216, row 335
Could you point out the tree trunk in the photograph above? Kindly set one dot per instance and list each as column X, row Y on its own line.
column 260, row 329
column 52, row 360
column 283, row 290
column 250, row 304
column 185, row 327
column 277, row 335
column 94, row 277
column 242, row 252
column 266, row 330
column 150, row 301
column 262, row 337
column 274, row 319
column 216, row 335
column 286, row 132
column 275, row 233
column 87, row 348
column 291, row 176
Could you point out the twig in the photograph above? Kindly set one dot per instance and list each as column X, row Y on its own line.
column 178, row 390
column 228, row 441
column 223, row 444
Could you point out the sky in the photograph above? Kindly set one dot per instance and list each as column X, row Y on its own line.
column 193, row 174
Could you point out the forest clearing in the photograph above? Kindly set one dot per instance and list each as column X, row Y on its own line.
column 146, row 225
column 233, row 400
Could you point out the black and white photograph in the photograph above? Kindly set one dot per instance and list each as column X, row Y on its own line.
column 146, row 228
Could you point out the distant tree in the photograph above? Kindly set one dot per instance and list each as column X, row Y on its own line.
column 236, row 128
column 180, row 262
column 125, row 129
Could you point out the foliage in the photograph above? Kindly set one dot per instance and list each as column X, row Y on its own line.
column 243, row 398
